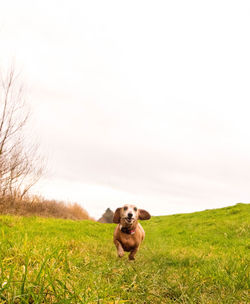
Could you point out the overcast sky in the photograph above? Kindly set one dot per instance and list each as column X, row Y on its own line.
column 136, row 101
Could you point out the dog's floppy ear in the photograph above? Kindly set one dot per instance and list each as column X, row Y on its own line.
column 117, row 216
column 144, row 215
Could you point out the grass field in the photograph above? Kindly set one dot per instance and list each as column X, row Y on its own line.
column 186, row 258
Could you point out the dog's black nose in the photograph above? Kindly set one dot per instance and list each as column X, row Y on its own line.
column 130, row 215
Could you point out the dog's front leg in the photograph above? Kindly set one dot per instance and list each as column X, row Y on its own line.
column 133, row 253
column 120, row 251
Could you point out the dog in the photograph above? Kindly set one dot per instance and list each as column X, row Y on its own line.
column 129, row 233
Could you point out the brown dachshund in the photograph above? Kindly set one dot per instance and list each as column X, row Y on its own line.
column 129, row 233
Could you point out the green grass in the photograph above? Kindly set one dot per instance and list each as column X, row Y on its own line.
column 186, row 258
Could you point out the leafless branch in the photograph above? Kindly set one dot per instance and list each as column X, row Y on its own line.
column 20, row 167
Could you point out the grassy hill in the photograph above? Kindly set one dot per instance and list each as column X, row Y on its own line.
column 186, row 258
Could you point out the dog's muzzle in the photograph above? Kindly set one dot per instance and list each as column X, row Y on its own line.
column 129, row 219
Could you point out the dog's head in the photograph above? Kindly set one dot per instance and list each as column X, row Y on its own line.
column 128, row 214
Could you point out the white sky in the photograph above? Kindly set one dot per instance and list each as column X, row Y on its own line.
column 136, row 101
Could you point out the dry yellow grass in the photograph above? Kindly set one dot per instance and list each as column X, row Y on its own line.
column 41, row 207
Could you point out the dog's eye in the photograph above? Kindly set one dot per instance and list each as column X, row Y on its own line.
column 125, row 208
column 135, row 209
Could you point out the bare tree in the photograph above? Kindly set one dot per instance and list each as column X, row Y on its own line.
column 20, row 167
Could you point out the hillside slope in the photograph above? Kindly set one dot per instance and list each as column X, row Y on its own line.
column 186, row 258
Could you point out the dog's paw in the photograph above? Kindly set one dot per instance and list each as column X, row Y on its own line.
column 131, row 257
column 120, row 253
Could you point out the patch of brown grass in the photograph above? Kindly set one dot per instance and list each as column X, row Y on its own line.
column 42, row 207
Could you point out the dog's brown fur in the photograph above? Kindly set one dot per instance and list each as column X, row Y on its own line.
column 131, row 239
